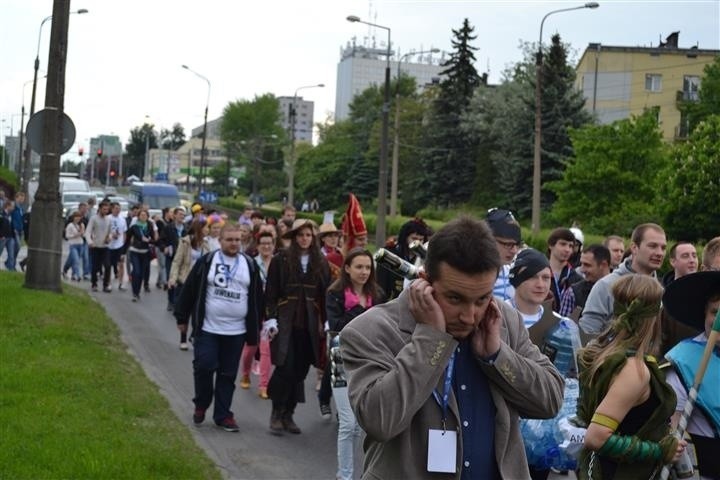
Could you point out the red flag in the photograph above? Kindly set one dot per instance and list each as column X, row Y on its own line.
column 353, row 225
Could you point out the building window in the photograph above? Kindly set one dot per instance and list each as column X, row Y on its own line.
column 653, row 82
column 691, row 86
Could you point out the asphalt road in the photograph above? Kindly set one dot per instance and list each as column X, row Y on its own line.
column 253, row 453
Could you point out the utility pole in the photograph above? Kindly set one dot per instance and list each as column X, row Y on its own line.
column 45, row 247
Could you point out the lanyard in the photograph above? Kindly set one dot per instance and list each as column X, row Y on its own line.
column 443, row 401
column 231, row 271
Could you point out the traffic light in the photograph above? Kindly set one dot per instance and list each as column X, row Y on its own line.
column 81, row 151
column 99, row 152
column 112, row 173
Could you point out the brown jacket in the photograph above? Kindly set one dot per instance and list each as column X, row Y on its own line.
column 394, row 364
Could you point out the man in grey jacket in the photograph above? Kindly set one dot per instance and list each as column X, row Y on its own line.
column 439, row 376
column 648, row 244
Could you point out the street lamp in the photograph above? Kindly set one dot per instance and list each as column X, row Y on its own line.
column 27, row 169
column 204, row 135
column 396, row 141
column 382, row 183
column 291, row 164
column 538, row 119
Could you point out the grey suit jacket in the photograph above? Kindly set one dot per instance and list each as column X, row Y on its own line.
column 394, row 364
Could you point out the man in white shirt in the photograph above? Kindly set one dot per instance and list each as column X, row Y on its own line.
column 97, row 234
column 118, row 228
column 223, row 294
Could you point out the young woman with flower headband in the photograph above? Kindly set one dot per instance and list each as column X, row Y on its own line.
column 624, row 398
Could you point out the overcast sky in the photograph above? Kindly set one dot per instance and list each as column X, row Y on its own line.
column 125, row 56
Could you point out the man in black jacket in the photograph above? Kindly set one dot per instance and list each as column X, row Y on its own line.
column 223, row 293
column 170, row 237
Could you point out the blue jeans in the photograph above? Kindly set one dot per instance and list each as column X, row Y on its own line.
column 11, row 247
column 217, row 359
column 87, row 268
column 162, row 275
column 170, row 291
column 139, row 264
column 73, row 260
column 348, row 432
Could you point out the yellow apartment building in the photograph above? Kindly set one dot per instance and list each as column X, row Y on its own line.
column 618, row 82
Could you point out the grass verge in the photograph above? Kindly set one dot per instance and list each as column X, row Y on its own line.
column 74, row 403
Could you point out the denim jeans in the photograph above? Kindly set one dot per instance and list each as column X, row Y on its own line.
column 215, row 367
column 10, row 247
column 162, row 276
column 139, row 264
column 87, row 267
column 170, row 291
column 73, row 260
column 348, row 432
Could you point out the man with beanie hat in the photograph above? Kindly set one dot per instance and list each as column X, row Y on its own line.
column 530, row 276
column 506, row 231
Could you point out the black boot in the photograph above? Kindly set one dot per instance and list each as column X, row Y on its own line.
column 289, row 423
column 276, row 422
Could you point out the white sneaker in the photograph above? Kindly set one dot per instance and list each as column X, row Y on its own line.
column 184, row 346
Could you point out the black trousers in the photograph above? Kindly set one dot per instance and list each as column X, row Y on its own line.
column 100, row 260
column 287, row 383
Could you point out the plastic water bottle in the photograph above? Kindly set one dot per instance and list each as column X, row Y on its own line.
column 561, row 344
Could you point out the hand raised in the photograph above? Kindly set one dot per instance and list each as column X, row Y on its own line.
column 486, row 339
column 423, row 306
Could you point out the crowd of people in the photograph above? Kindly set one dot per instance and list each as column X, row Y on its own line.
column 437, row 369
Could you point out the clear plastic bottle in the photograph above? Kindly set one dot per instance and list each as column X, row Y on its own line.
column 561, row 345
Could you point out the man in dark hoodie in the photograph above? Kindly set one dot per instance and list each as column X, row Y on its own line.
column 390, row 282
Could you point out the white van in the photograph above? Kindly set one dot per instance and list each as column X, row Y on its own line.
column 67, row 184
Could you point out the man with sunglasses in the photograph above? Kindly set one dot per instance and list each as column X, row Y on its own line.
column 506, row 231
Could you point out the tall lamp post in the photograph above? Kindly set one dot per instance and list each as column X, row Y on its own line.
column 204, row 134
column 383, row 174
column 538, row 119
column 291, row 164
column 396, row 140
column 27, row 168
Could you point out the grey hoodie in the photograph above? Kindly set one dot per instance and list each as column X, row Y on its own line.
column 599, row 305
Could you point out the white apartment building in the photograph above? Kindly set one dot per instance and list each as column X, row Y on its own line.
column 304, row 114
column 363, row 66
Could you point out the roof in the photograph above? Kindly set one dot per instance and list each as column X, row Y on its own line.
column 665, row 50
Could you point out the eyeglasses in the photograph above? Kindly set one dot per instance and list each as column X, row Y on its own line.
column 508, row 245
column 497, row 214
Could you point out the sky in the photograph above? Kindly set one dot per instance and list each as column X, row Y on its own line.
column 124, row 56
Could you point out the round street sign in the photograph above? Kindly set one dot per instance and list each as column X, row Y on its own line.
column 36, row 129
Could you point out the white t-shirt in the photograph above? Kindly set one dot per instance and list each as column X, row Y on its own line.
column 226, row 301
column 118, row 227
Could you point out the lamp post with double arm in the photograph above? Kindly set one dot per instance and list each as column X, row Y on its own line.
column 383, row 174
column 204, row 134
column 537, row 168
column 396, row 140
column 291, row 164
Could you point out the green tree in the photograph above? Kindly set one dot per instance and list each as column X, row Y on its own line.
column 450, row 158
column 610, row 186
column 708, row 103
column 134, row 161
column 321, row 169
column 690, row 186
column 253, row 137
column 563, row 107
column 174, row 138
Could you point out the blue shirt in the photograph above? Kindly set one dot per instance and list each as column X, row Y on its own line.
column 17, row 218
column 477, row 416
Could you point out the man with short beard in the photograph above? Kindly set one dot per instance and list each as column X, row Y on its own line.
column 648, row 244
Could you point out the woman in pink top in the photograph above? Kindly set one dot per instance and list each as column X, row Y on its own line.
column 350, row 295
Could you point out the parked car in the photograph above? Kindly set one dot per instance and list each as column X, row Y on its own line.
column 71, row 200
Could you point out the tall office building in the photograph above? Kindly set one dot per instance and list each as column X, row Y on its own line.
column 363, row 66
